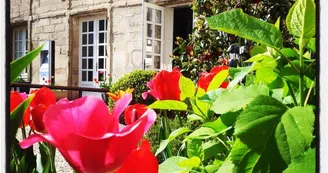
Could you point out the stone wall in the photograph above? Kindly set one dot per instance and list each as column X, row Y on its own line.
column 126, row 40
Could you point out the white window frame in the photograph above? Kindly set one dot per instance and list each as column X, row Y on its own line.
column 16, row 49
column 95, row 45
column 152, row 38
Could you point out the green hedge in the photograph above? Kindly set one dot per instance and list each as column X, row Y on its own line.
column 138, row 81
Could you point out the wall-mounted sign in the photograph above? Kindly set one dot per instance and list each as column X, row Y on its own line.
column 47, row 64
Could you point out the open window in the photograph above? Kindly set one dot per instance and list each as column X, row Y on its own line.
column 153, row 36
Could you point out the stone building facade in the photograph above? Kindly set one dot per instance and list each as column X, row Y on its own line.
column 109, row 36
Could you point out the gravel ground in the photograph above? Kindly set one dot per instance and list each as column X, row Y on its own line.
column 61, row 165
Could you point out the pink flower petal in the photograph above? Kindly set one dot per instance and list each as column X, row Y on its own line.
column 119, row 108
column 144, row 95
column 78, row 117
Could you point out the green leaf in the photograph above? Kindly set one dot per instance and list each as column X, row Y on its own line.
column 17, row 66
column 16, row 116
column 238, row 76
column 172, row 136
column 301, row 19
column 271, row 135
column 194, row 148
column 299, row 122
column 258, row 50
column 212, row 148
column 223, row 123
column 194, row 117
column 266, row 75
column 312, row 45
column 305, row 164
column 227, row 167
column 172, row 165
column 169, row 105
column 238, row 23
column 193, row 162
column 258, row 57
column 187, row 88
column 234, row 100
column 199, row 107
column 202, row 133
column 211, row 96
column 277, row 24
column 218, row 80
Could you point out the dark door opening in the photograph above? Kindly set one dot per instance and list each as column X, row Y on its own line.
column 183, row 23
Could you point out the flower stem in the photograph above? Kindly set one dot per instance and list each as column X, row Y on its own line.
column 52, row 153
column 308, row 95
column 301, row 79
column 23, row 130
column 292, row 93
column 167, row 131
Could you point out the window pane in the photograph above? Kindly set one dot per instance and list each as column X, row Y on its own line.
column 158, row 31
column 157, row 62
column 84, row 39
column 157, row 47
column 16, row 55
column 101, row 25
column 90, row 38
column 90, row 63
column 149, row 30
column 21, row 36
column 158, row 16
column 101, row 63
column 84, row 51
column 20, row 48
column 84, row 27
column 149, row 47
column 101, row 37
column 101, row 51
column 16, row 35
column 84, row 76
column 106, row 23
column 84, row 63
column 90, row 51
column 148, row 62
column 90, row 76
column 90, row 26
column 149, row 14
column 16, row 46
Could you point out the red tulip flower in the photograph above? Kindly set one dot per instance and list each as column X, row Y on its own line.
column 165, row 85
column 134, row 112
column 44, row 98
column 206, row 78
column 16, row 99
column 89, row 136
column 140, row 160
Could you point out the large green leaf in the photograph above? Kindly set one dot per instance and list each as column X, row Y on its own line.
column 175, row 164
column 169, row 105
column 223, row 123
column 212, row 148
column 194, row 148
column 304, row 164
column 17, row 66
column 172, row 136
column 238, row 23
column 187, row 88
column 301, row 19
column 199, row 107
column 271, row 135
column 218, row 80
column 239, row 74
column 202, row 133
column 16, row 116
column 234, row 100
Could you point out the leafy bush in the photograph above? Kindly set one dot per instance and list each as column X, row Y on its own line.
column 138, row 81
column 207, row 48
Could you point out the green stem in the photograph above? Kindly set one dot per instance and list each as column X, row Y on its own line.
column 15, row 158
column 308, row 95
column 167, row 130
column 180, row 121
column 292, row 93
column 291, row 64
column 52, row 152
column 301, row 79
column 23, row 130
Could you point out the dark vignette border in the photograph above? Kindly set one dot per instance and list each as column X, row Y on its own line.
column 317, row 113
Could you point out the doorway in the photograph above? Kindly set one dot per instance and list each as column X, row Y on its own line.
column 183, row 23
